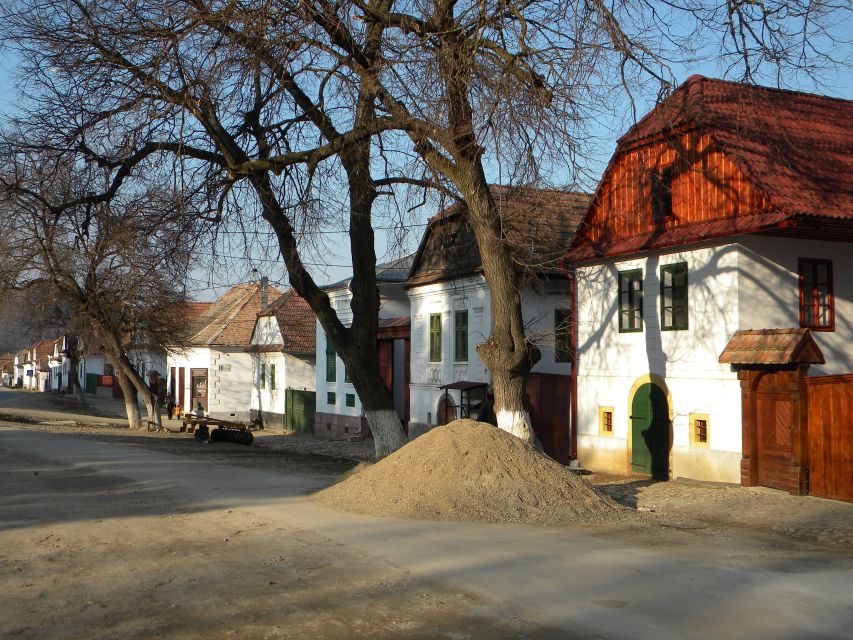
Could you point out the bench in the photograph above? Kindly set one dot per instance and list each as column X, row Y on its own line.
column 152, row 426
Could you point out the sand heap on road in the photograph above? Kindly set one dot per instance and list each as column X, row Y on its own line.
column 472, row 471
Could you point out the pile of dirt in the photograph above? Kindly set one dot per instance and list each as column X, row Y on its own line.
column 472, row 471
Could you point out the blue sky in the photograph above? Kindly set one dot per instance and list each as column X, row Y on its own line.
column 838, row 84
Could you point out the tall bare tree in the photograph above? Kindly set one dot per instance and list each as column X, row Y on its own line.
column 110, row 262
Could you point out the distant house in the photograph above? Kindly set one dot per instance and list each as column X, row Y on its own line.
column 37, row 366
column 451, row 311
column 7, row 369
column 210, row 366
column 713, row 270
column 283, row 357
column 339, row 413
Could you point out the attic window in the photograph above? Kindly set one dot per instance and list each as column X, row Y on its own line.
column 662, row 194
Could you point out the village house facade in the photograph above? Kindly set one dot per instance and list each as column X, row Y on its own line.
column 723, row 223
column 339, row 412
column 211, row 367
column 451, row 312
column 282, row 349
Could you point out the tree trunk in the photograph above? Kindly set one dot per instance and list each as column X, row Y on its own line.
column 134, row 420
column 72, row 348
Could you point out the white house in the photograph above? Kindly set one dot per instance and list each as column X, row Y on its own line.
column 451, row 312
column 339, row 413
column 211, row 366
column 725, row 214
column 283, row 356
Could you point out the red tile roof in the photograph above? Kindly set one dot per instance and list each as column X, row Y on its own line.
column 772, row 347
column 796, row 148
column 296, row 322
column 230, row 320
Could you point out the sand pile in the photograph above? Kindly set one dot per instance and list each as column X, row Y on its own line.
column 472, row 471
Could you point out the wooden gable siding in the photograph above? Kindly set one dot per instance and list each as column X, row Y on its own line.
column 707, row 185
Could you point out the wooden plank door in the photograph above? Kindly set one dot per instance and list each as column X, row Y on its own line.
column 198, row 387
column 830, row 436
column 774, row 418
column 650, row 440
column 548, row 399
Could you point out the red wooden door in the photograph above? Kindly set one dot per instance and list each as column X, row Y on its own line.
column 548, row 398
column 774, row 413
column 386, row 362
column 830, row 436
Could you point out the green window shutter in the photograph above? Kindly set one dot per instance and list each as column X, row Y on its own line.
column 350, row 399
column 272, row 376
column 562, row 335
column 460, row 350
column 330, row 397
column 631, row 301
column 435, row 337
column 673, row 297
column 331, row 365
column 263, row 375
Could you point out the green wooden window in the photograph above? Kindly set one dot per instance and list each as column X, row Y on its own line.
column 673, row 297
column 562, row 335
column 817, row 308
column 631, row 301
column 346, row 374
column 435, row 337
column 330, row 397
column 350, row 399
column 331, row 365
column 263, row 376
column 272, row 376
column 460, row 344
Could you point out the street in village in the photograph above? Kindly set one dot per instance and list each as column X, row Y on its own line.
column 109, row 534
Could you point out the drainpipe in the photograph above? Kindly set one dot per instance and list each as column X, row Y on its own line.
column 573, row 375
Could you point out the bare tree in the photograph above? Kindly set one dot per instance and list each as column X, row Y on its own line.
column 111, row 262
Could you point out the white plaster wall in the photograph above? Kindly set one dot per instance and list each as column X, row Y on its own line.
column 538, row 303
column 267, row 331
column 230, row 390
column 268, row 399
column 769, row 292
column 300, row 372
column 609, row 362
column 193, row 358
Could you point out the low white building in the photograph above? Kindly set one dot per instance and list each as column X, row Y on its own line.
column 451, row 312
column 211, row 367
column 339, row 413
column 283, row 355
column 728, row 208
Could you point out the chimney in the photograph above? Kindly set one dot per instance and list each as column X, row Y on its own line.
column 264, row 292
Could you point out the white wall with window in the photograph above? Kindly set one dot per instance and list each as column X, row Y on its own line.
column 450, row 318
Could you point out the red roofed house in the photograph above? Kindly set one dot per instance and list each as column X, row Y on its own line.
column 283, row 357
column 211, row 366
column 728, row 208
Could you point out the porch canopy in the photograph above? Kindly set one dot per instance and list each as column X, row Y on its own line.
column 755, row 348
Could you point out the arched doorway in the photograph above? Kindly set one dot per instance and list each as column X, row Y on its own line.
column 650, row 431
column 446, row 410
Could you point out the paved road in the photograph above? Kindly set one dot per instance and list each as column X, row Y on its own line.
column 586, row 583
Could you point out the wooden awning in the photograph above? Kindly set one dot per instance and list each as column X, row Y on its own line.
column 771, row 347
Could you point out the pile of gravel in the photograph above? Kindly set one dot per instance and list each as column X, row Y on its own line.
column 472, row 471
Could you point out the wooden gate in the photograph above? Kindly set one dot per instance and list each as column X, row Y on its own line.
column 829, row 406
column 300, row 407
column 548, row 399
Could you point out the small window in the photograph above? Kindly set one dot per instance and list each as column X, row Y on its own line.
column 350, row 399
column 631, row 301
column 661, row 191
column 435, row 337
column 263, row 376
column 225, row 367
column 562, row 335
column 605, row 421
column 460, row 349
column 673, row 297
column 346, row 374
column 331, row 398
column 272, row 376
column 817, row 305
column 699, row 432
column 331, row 364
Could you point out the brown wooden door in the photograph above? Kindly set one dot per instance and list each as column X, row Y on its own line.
column 198, row 386
column 548, row 398
column 774, row 414
column 182, row 385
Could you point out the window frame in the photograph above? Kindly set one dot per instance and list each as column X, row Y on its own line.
column 674, row 269
column 331, row 362
column 661, row 193
column 272, row 375
column 434, row 337
column 562, row 335
column 813, row 263
column 460, row 338
column 629, row 275
column 263, row 376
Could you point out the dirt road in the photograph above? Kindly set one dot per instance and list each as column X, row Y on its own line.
column 102, row 538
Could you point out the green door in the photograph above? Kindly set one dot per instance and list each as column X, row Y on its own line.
column 650, row 432
column 299, row 410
